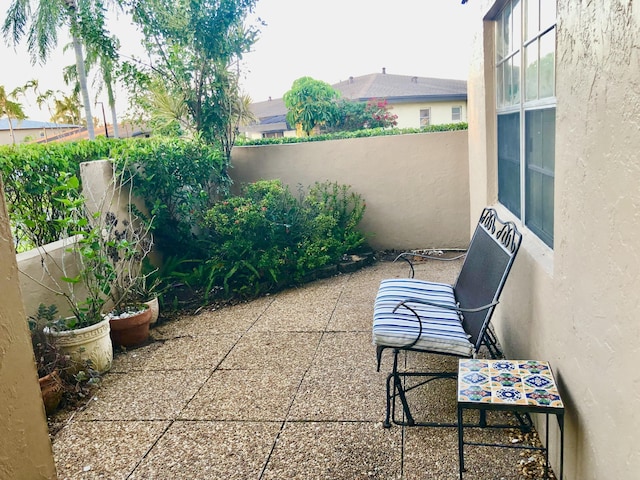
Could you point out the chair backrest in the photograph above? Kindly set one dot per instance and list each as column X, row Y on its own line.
column 491, row 253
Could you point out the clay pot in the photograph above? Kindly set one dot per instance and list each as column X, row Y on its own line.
column 51, row 388
column 132, row 330
column 89, row 343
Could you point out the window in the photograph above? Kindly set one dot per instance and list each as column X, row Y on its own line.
column 526, row 109
column 456, row 114
column 273, row 135
column 425, row 117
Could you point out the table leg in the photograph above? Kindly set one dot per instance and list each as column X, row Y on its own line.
column 460, row 441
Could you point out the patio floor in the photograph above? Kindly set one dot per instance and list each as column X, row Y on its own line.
column 284, row 387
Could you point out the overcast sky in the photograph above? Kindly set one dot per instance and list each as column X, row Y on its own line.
column 329, row 40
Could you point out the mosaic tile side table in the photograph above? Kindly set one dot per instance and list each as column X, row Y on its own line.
column 524, row 386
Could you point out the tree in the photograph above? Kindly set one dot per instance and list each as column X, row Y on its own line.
column 40, row 25
column 351, row 116
column 67, row 110
column 310, row 102
column 10, row 109
column 193, row 45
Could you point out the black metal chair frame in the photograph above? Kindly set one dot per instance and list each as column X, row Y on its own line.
column 487, row 264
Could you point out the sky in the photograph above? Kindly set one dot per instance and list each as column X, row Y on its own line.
column 328, row 40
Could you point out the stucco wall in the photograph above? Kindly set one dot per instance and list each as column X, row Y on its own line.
column 25, row 449
column 415, row 186
column 59, row 262
column 576, row 305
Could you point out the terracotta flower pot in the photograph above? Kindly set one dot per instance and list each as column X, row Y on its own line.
column 131, row 330
column 51, row 388
column 89, row 343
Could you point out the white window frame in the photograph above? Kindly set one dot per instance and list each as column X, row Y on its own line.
column 515, row 100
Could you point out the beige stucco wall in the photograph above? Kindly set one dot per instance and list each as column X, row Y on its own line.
column 40, row 286
column 415, row 186
column 409, row 113
column 576, row 305
column 25, row 449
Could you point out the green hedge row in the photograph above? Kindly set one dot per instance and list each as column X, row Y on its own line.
column 372, row 132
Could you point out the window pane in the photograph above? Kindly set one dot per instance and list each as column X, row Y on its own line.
column 509, row 161
column 425, row 117
column 548, row 64
column 514, row 81
column 547, row 13
column 500, row 85
column 500, row 53
column 540, row 127
column 531, row 72
column 516, row 24
column 506, row 29
column 456, row 114
column 532, row 25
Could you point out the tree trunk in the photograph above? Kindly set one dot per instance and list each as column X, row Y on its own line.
column 82, row 79
column 112, row 106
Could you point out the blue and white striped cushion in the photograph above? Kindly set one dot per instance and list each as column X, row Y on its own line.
column 441, row 328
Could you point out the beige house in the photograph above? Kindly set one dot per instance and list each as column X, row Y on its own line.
column 417, row 101
column 31, row 131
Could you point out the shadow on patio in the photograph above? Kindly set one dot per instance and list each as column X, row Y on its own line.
column 284, row 387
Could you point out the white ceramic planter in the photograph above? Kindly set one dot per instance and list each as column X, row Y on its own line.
column 154, row 306
column 88, row 343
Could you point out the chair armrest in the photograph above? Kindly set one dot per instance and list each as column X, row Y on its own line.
column 404, row 255
column 446, row 307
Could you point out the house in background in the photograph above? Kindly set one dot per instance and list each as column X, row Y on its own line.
column 25, row 131
column 417, row 101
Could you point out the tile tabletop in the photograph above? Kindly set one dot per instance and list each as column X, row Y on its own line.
column 527, row 383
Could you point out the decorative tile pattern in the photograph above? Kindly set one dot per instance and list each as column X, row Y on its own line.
column 508, row 382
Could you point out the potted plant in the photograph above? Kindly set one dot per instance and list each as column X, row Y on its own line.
column 80, row 275
column 128, row 242
column 50, row 362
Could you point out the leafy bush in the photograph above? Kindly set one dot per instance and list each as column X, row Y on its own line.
column 179, row 181
column 34, row 177
column 267, row 238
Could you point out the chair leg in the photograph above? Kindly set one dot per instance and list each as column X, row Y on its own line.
column 396, row 390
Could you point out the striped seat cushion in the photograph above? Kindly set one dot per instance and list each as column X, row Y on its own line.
column 441, row 328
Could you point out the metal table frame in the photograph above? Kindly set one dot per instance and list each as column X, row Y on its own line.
column 558, row 411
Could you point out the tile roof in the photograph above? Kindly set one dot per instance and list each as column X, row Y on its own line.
column 399, row 87
column 395, row 88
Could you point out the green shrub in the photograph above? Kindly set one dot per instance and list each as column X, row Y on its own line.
column 267, row 238
column 34, row 177
column 179, row 181
column 370, row 132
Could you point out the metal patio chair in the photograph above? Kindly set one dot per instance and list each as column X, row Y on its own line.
column 417, row 315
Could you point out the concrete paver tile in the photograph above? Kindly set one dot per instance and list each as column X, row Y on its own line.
column 210, row 450
column 142, row 395
column 193, row 352
column 236, row 318
column 88, row 450
column 343, row 450
column 247, row 395
column 277, row 350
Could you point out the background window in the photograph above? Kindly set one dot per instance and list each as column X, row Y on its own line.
column 425, row 117
column 456, row 114
column 525, row 97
